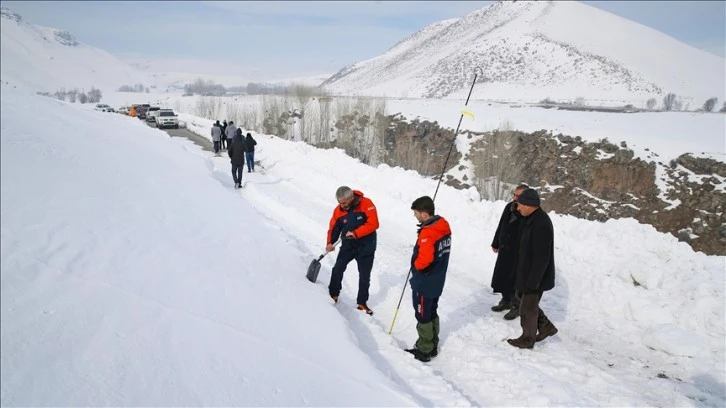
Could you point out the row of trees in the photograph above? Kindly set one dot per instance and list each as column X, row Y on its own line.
column 208, row 88
column 73, row 95
column 133, row 88
column 204, row 87
column 671, row 102
column 360, row 126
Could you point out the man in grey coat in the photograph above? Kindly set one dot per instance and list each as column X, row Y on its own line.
column 535, row 269
column 216, row 137
column 230, row 131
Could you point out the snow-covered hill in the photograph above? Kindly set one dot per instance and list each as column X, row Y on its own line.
column 533, row 50
column 46, row 59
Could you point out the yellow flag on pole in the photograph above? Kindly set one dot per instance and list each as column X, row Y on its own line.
column 466, row 112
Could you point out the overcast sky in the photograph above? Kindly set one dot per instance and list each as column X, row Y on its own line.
column 263, row 40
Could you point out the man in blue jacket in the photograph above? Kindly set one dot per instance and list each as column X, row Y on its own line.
column 429, row 263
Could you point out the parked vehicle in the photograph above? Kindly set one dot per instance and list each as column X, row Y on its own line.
column 151, row 113
column 167, row 118
column 102, row 107
column 141, row 112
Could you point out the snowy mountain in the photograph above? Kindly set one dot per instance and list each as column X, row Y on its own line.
column 46, row 59
column 533, row 50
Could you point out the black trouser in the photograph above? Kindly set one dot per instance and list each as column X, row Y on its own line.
column 530, row 314
column 237, row 173
column 365, row 265
column 511, row 297
column 224, row 142
column 216, row 147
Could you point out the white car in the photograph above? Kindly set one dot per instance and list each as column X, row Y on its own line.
column 102, row 107
column 167, row 118
column 151, row 113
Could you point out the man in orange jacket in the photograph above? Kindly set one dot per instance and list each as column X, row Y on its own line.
column 429, row 264
column 355, row 221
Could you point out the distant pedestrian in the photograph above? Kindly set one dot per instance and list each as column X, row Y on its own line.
column 535, row 267
column 229, row 131
column 216, row 137
column 505, row 246
column 250, row 144
column 224, row 135
column 236, row 152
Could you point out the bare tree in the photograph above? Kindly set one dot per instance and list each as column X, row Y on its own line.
column 678, row 104
column 709, row 104
column 497, row 166
column 651, row 103
column 723, row 108
column 208, row 107
column 82, row 97
column 60, row 95
column 669, row 101
column 94, row 95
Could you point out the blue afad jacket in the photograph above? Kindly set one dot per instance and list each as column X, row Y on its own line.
column 430, row 258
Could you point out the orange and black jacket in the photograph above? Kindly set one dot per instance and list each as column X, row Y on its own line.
column 430, row 258
column 362, row 219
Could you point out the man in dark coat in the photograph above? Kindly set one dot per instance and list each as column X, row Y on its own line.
column 236, row 152
column 429, row 264
column 250, row 144
column 535, row 269
column 223, row 126
column 505, row 246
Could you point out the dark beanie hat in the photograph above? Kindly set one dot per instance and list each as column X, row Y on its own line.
column 529, row 197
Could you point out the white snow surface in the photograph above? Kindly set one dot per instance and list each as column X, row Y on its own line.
column 133, row 274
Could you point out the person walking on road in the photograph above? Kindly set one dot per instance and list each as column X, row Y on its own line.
column 250, row 144
column 236, row 152
column 216, row 137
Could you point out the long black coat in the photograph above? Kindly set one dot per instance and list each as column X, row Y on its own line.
column 536, row 255
column 236, row 150
column 505, row 240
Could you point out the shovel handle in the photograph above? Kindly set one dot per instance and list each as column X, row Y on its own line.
column 325, row 253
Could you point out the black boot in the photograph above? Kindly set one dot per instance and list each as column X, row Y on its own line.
column 512, row 314
column 420, row 355
column 545, row 327
column 502, row 306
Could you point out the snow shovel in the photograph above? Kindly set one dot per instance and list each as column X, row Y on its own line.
column 314, row 267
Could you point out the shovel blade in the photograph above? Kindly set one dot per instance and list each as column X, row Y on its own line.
column 313, row 271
